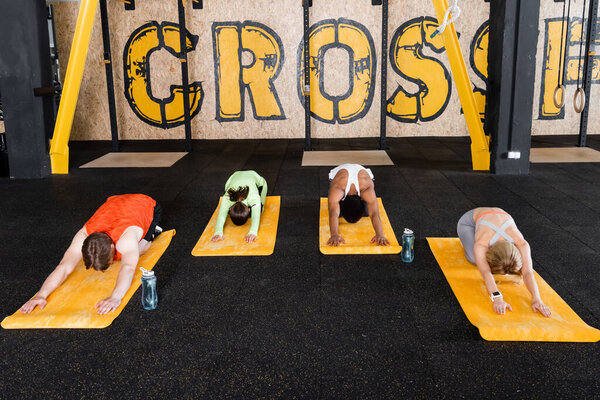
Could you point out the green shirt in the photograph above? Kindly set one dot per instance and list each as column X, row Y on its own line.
column 254, row 199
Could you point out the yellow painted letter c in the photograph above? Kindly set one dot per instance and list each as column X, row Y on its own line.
column 164, row 113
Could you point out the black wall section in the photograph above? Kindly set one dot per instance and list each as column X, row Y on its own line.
column 25, row 65
column 511, row 74
column 3, row 156
column 3, row 150
column 588, row 69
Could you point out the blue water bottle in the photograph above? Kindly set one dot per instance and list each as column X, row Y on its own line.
column 149, row 296
column 408, row 246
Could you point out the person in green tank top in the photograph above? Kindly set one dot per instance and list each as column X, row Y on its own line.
column 245, row 195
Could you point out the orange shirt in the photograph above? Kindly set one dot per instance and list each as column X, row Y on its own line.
column 119, row 213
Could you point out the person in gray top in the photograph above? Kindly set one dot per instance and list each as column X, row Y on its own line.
column 492, row 241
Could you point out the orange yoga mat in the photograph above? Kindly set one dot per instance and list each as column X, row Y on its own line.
column 72, row 304
column 357, row 236
column 520, row 324
column 234, row 244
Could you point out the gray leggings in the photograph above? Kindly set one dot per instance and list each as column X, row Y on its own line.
column 466, row 234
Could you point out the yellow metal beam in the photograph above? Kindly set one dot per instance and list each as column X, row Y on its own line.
column 480, row 152
column 59, row 144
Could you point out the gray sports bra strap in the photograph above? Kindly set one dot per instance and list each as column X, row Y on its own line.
column 500, row 231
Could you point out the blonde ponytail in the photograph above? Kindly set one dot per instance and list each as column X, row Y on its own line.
column 504, row 258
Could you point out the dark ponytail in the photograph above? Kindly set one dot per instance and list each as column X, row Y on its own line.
column 238, row 195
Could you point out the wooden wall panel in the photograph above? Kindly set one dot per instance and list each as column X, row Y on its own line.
column 422, row 98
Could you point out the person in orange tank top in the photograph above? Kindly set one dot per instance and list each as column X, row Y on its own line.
column 121, row 229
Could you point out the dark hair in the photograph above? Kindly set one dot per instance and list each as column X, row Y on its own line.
column 238, row 194
column 352, row 208
column 239, row 213
column 97, row 251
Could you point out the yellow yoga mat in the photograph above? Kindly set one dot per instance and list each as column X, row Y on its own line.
column 72, row 304
column 520, row 324
column 357, row 236
column 234, row 243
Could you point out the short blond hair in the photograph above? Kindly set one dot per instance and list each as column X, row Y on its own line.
column 503, row 257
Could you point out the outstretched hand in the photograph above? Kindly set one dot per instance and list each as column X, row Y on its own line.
column 250, row 238
column 107, row 305
column 31, row 304
column 217, row 238
column 541, row 307
column 335, row 240
column 380, row 240
column 500, row 306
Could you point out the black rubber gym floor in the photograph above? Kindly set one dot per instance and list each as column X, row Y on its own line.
column 299, row 324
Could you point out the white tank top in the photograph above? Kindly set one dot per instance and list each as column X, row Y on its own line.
column 353, row 170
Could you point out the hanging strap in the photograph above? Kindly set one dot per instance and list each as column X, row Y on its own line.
column 455, row 10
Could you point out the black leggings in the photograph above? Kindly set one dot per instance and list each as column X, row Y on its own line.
column 155, row 220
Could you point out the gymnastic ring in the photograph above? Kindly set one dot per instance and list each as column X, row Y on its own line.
column 580, row 93
column 559, row 89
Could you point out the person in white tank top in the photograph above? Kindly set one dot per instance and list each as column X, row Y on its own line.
column 352, row 196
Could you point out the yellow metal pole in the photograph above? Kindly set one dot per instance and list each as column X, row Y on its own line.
column 480, row 152
column 59, row 144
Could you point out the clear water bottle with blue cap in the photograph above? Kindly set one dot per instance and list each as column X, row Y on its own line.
column 149, row 296
column 408, row 246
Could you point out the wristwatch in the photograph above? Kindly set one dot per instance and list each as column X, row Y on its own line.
column 495, row 296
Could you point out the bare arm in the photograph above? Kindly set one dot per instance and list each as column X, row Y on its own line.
column 484, row 268
column 335, row 196
column 499, row 304
column 529, row 278
column 370, row 198
column 66, row 266
column 129, row 248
